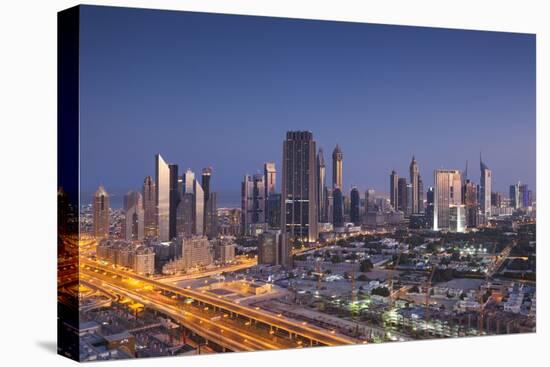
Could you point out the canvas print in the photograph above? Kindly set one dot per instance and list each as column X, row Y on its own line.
column 232, row 183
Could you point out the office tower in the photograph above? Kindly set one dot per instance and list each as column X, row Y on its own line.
column 514, row 196
column 100, row 208
column 394, row 190
column 413, row 171
column 133, row 225
column 485, row 187
column 162, row 183
column 337, row 168
column 430, row 206
column 329, row 205
column 269, row 248
column 470, row 195
column 185, row 221
column 338, row 209
column 205, row 183
column 273, row 211
column 253, row 203
column 270, row 178
column 420, row 195
column 370, row 203
column 496, row 199
column 448, row 192
column 149, row 207
column 299, row 189
column 410, row 202
column 457, row 218
column 523, row 195
column 188, row 181
column 174, row 199
column 321, row 184
column 402, row 194
column 211, row 217
column 355, row 199
column 196, row 252
column 198, row 208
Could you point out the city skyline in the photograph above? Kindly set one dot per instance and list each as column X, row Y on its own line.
column 246, row 104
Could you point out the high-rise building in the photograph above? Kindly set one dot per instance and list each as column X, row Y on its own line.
column 273, row 211
column 133, row 225
column 162, row 183
column 100, row 212
column 394, row 190
column 420, row 195
column 337, row 168
column 321, row 184
column 185, row 222
column 299, row 216
column 409, row 208
column 355, row 203
column 486, row 188
column 198, row 208
column 205, row 183
column 270, row 178
column 370, row 202
column 329, row 205
column 269, row 248
column 174, row 199
column 253, row 203
column 523, row 196
column 149, row 207
column 469, row 199
column 448, row 192
column 402, row 194
column 414, row 176
column 430, row 206
column 338, row 209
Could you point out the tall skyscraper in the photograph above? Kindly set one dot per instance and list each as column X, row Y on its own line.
column 270, row 178
column 133, row 225
column 162, row 183
column 469, row 199
column 410, row 202
column 420, row 195
column 205, row 183
column 448, row 193
column 402, row 194
column 355, row 202
column 413, row 171
column 198, row 208
column 430, row 206
column 394, row 190
column 273, row 211
column 337, row 168
column 100, row 212
column 370, row 203
column 321, row 184
column 149, row 207
column 174, row 199
column 299, row 216
column 485, row 186
column 338, row 210
column 253, row 203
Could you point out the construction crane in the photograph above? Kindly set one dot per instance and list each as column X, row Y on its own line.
column 428, row 287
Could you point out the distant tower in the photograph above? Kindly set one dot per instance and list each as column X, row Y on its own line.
column 338, row 210
column 402, row 194
column 485, row 183
column 162, row 183
column 413, row 170
column 299, row 216
column 253, row 202
column 321, row 184
column 270, row 178
column 100, row 208
column 149, row 207
column 447, row 197
column 174, row 200
column 394, row 193
column 337, row 168
column 355, row 199
column 133, row 225
column 205, row 183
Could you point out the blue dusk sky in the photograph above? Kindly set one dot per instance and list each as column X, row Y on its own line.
column 222, row 90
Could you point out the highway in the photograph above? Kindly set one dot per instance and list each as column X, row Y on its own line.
column 278, row 322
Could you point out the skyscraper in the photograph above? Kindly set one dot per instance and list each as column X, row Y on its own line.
column 394, row 191
column 448, row 192
column 370, row 204
column 413, row 171
column 209, row 206
column 430, row 206
column 270, row 178
column 470, row 202
column 174, row 199
column 402, row 194
column 485, row 186
column 149, row 207
column 299, row 216
column 355, row 199
column 420, row 195
column 338, row 210
column 162, row 183
column 321, row 184
column 253, row 203
column 198, row 208
column 100, row 209
column 133, row 225
column 337, row 168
